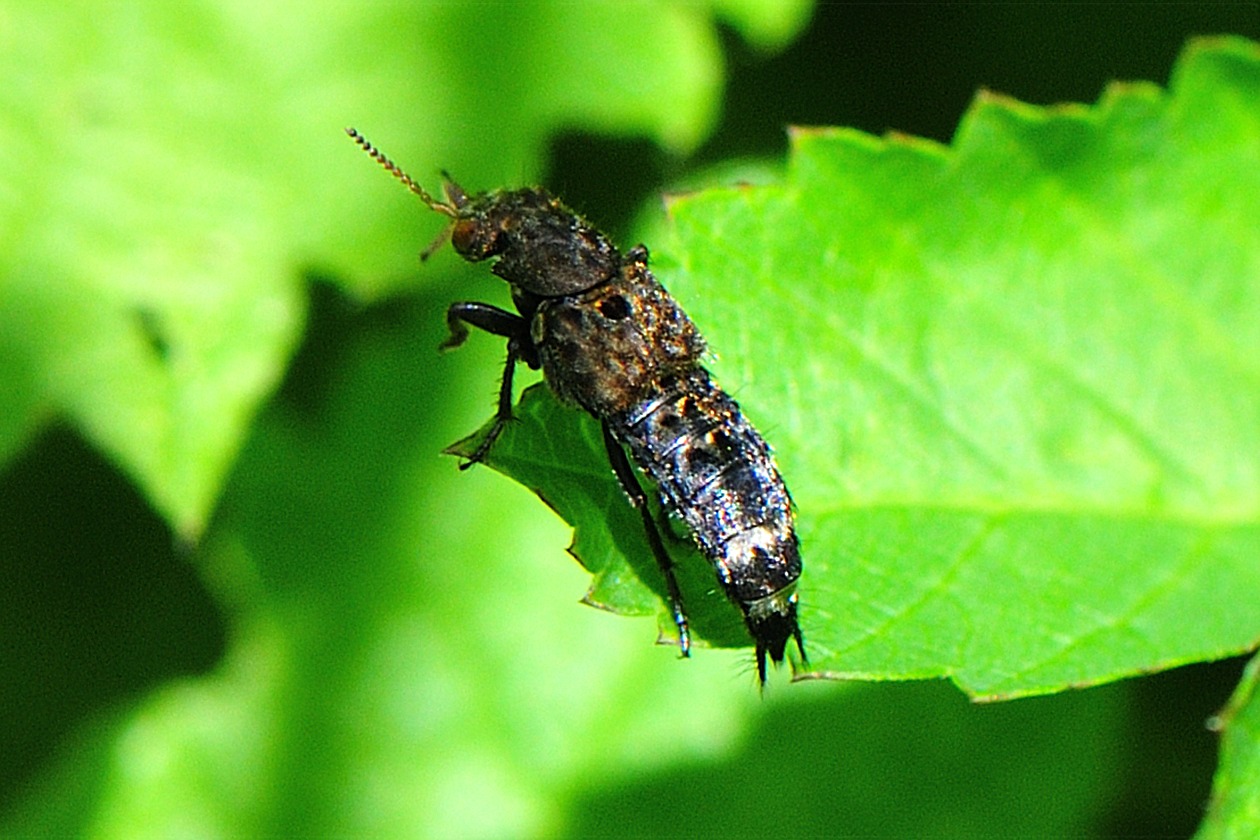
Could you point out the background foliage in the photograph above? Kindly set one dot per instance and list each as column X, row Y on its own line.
column 244, row 594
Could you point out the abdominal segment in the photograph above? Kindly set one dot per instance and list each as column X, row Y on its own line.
column 716, row 473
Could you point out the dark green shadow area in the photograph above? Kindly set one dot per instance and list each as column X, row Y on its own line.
column 916, row 759
column 98, row 604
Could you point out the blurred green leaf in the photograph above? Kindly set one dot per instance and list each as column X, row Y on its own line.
column 171, row 170
column 944, row 769
column 765, row 25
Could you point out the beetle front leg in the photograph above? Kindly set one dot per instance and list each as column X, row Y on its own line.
column 496, row 321
column 503, row 415
column 483, row 316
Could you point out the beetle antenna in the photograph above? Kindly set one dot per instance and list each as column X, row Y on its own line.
column 393, row 169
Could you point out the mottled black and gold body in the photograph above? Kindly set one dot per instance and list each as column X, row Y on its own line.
column 610, row 339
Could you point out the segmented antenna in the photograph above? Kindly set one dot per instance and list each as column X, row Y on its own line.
column 393, row 169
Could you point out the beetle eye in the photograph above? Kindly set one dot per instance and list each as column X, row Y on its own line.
column 464, row 236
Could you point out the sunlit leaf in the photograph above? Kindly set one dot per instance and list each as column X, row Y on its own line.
column 1011, row 382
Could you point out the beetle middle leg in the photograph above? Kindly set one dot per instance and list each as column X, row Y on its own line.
column 520, row 347
column 629, row 483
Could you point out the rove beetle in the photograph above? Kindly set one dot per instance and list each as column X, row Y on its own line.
column 611, row 340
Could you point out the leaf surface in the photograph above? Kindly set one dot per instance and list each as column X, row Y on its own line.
column 1012, row 383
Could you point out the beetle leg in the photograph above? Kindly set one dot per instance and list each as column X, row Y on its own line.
column 500, row 322
column 629, row 483
column 483, row 316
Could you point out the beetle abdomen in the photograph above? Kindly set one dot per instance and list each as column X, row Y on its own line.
column 716, row 473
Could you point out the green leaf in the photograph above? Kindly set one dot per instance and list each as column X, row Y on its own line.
column 172, row 170
column 1011, row 383
column 1235, row 808
column 765, row 25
